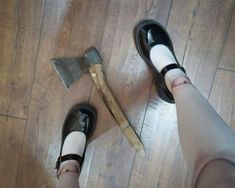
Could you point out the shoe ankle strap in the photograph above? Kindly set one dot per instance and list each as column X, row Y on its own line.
column 170, row 67
column 65, row 158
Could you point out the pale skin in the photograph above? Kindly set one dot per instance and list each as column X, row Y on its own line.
column 207, row 142
column 205, row 138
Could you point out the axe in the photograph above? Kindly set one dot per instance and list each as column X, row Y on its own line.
column 71, row 69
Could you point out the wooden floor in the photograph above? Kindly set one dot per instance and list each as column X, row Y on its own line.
column 34, row 103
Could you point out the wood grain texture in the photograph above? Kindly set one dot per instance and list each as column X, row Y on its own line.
column 11, row 136
column 180, row 23
column 97, row 75
column 159, row 133
column 8, row 37
column 206, row 41
column 122, row 59
column 66, row 31
column 155, row 9
column 185, row 20
column 21, row 30
column 222, row 96
column 163, row 166
column 29, row 17
column 111, row 169
column 66, row 28
column 228, row 54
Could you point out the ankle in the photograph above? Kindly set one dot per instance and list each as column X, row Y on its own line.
column 172, row 78
column 182, row 80
column 70, row 166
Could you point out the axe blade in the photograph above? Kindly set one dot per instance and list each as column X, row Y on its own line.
column 71, row 69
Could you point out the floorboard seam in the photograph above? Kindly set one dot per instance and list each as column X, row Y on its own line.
column 226, row 69
column 168, row 16
column 195, row 12
column 17, row 41
column 34, row 72
column 99, row 48
column 16, row 46
column 14, row 117
column 221, row 51
column 146, row 108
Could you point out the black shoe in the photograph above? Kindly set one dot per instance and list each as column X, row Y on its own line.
column 147, row 34
column 82, row 118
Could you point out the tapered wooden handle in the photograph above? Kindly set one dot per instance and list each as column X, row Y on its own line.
column 98, row 77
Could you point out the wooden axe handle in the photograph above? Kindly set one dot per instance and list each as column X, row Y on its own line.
column 98, row 77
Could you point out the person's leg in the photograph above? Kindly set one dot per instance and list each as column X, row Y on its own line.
column 68, row 173
column 77, row 130
column 219, row 173
column 204, row 136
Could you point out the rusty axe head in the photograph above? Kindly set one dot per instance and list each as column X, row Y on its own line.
column 71, row 69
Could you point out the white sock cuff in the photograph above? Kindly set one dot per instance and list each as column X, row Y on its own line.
column 74, row 143
column 161, row 56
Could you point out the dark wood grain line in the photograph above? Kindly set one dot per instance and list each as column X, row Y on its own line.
column 98, row 47
column 145, row 111
column 190, row 30
column 222, row 96
column 33, row 81
column 164, row 23
column 206, row 41
column 228, row 54
column 8, row 37
column 226, row 69
column 222, row 49
column 69, row 27
column 10, row 116
column 36, row 57
column 149, row 98
column 12, row 131
column 28, row 24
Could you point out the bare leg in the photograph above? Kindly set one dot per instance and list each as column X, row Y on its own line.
column 68, row 175
column 204, row 136
column 70, row 170
column 218, row 173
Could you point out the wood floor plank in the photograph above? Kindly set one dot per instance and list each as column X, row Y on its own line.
column 222, row 96
column 20, row 33
column 29, row 17
column 127, row 75
column 206, row 41
column 12, row 134
column 180, row 23
column 163, row 165
column 69, row 27
column 110, row 169
column 157, row 10
column 8, row 33
column 228, row 54
column 164, row 159
column 187, row 21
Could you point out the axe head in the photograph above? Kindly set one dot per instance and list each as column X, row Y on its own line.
column 71, row 69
